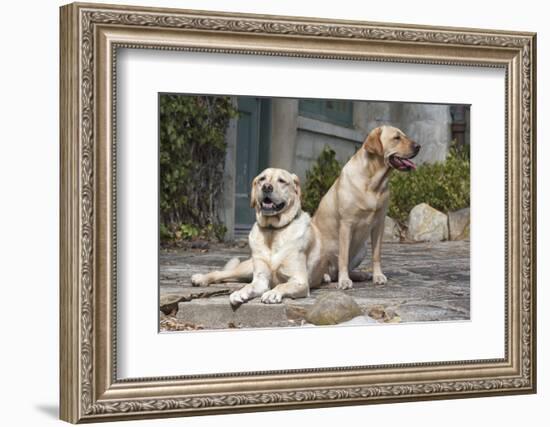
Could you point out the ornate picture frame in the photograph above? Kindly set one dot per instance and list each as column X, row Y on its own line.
column 90, row 37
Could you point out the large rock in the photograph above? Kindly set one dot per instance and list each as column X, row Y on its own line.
column 332, row 308
column 459, row 224
column 392, row 232
column 427, row 224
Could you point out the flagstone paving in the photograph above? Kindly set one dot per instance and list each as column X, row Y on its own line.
column 426, row 282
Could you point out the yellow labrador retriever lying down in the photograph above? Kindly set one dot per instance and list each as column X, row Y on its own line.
column 286, row 244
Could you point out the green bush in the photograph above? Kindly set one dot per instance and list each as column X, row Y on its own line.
column 319, row 179
column 444, row 186
column 192, row 156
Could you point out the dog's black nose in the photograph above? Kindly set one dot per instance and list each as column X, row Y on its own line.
column 415, row 147
column 267, row 188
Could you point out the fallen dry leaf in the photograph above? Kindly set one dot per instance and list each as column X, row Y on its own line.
column 377, row 312
column 383, row 314
column 170, row 323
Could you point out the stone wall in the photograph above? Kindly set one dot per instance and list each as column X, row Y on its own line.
column 314, row 135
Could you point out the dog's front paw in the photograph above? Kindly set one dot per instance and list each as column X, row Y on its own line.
column 272, row 297
column 345, row 283
column 240, row 296
column 199, row 280
column 379, row 279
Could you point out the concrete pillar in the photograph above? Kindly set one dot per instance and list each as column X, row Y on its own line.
column 360, row 115
column 381, row 113
column 430, row 126
column 284, row 116
column 227, row 213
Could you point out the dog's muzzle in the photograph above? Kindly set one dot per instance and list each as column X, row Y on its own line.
column 269, row 207
column 404, row 163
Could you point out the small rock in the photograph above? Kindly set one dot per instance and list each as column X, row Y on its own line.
column 169, row 303
column 392, row 232
column 427, row 224
column 459, row 224
column 331, row 308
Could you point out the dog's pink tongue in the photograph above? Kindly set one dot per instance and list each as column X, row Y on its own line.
column 408, row 163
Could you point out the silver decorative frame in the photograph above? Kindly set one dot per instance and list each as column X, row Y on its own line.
column 90, row 35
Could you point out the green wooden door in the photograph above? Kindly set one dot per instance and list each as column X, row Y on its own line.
column 248, row 144
column 253, row 137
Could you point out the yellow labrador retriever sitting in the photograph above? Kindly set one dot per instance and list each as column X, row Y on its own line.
column 353, row 210
column 355, row 207
column 284, row 244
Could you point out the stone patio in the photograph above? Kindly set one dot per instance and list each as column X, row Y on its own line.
column 426, row 282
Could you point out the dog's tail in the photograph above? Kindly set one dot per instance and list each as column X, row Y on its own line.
column 232, row 264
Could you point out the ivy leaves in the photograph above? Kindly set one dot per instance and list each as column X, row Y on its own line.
column 192, row 153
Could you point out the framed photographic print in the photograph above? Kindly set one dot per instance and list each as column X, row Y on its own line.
column 266, row 212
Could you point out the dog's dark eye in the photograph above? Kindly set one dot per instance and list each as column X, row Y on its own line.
column 262, row 178
column 282, row 181
column 398, row 137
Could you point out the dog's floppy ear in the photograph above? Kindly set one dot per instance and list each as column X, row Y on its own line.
column 253, row 193
column 297, row 186
column 373, row 144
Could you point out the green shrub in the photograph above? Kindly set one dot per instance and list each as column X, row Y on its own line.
column 444, row 186
column 165, row 233
column 192, row 156
column 319, row 179
column 177, row 233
